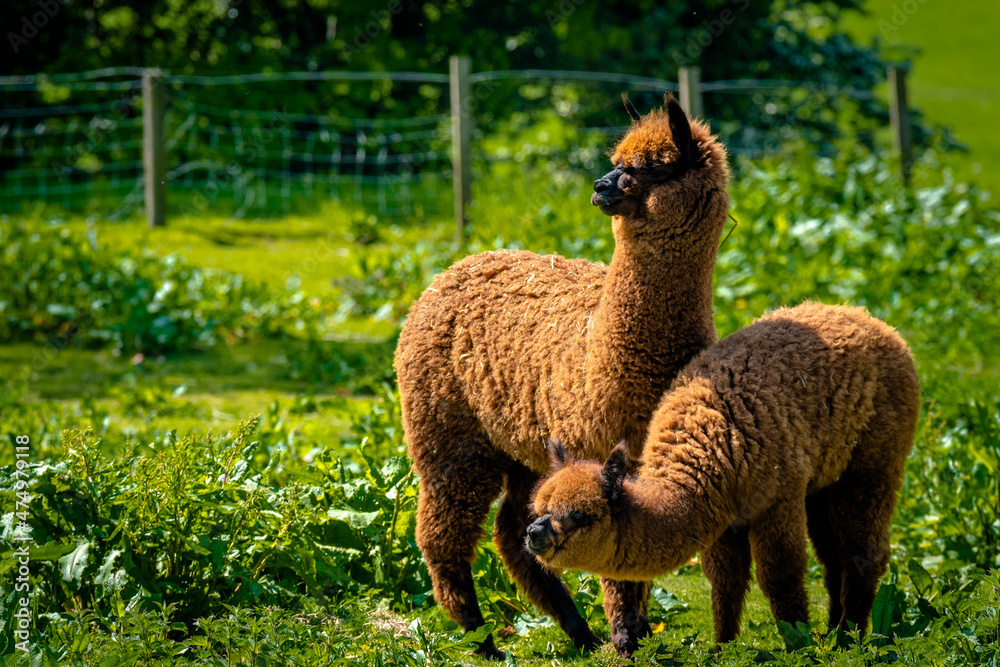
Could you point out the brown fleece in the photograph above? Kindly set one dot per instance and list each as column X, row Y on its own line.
column 507, row 349
column 798, row 423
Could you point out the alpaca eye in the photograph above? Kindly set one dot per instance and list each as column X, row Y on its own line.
column 578, row 517
column 659, row 171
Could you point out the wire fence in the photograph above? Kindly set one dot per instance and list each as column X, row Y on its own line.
column 90, row 155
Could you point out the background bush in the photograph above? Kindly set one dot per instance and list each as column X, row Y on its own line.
column 63, row 287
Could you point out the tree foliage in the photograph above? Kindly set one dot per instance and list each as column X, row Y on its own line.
column 795, row 40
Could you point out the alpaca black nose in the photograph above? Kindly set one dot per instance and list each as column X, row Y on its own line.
column 607, row 194
column 602, row 185
column 536, row 532
column 539, row 535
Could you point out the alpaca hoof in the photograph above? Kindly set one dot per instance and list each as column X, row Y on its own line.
column 588, row 642
column 626, row 645
column 490, row 651
column 626, row 636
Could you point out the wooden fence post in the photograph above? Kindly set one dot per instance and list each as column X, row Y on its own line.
column 690, row 84
column 899, row 116
column 154, row 159
column 461, row 140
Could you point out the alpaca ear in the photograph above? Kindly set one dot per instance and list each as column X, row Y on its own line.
column 615, row 470
column 680, row 128
column 632, row 111
column 557, row 454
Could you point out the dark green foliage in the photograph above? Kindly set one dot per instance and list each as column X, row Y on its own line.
column 60, row 288
column 738, row 39
column 193, row 522
column 266, row 546
column 926, row 259
column 362, row 366
column 231, row 546
column 243, row 636
column 383, row 286
column 958, row 625
column 950, row 508
column 796, row 636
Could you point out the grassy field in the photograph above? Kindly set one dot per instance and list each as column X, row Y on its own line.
column 217, row 468
column 175, row 527
column 952, row 46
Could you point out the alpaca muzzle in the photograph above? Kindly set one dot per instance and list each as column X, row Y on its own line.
column 607, row 194
column 541, row 538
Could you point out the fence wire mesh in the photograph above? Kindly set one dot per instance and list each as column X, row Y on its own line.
column 89, row 155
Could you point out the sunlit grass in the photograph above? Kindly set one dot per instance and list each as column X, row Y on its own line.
column 806, row 231
column 949, row 44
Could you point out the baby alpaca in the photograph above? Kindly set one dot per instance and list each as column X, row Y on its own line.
column 798, row 423
column 506, row 349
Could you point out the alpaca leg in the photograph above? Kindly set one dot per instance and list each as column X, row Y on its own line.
column 542, row 586
column 727, row 565
column 455, row 496
column 826, row 544
column 626, row 604
column 862, row 516
column 778, row 544
column 866, row 492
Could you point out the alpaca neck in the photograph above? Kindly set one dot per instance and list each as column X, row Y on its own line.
column 661, row 526
column 655, row 314
column 684, row 497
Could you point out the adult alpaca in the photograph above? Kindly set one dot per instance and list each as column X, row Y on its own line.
column 506, row 349
column 799, row 423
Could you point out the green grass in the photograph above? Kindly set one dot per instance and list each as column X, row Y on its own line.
column 316, row 252
column 54, row 373
column 327, row 567
column 187, row 394
column 954, row 78
column 314, row 249
column 692, row 624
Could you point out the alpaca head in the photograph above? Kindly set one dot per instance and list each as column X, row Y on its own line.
column 663, row 166
column 575, row 503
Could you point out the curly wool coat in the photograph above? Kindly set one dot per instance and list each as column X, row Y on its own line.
column 797, row 424
column 507, row 349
